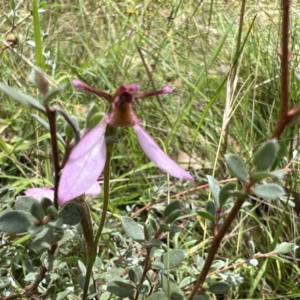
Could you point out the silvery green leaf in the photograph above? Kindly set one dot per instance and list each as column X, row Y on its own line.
column 214, row 187
column 264, row 157
column 133, row 229
column 269, row 190
column 220, row 287
column 22, row 98
column 285, row 247
column 236, row 166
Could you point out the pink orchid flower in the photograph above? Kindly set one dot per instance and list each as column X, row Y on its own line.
column 48, row 192
column 87, row 159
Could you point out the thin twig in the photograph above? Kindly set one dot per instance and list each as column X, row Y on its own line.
column 31, row 289
column 147, row 263
column 218, row 238
column 285, row 117
column 51, row 115
column 70, row 122
column 14, row 26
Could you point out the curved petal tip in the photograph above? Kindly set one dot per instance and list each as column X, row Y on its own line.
column 78, row 83
column 166, row 90
column 39, row 193
column 155, row 153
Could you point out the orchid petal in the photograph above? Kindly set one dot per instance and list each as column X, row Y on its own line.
column 81, row 85
column 39, row 193
column 47, row 192
column 94, row 190
column 84, row 165
column 164, row 90
column 127, row 89
column 155, row 153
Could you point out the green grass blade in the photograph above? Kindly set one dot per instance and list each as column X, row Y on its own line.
column 37, row 35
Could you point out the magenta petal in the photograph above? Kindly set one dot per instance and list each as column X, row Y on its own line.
column 39, row 193
column 127, row 88
column 84, row 165
column 154, row 153
column 162, row 91
column 165, row 90
column 81, row 85
column 94, row 190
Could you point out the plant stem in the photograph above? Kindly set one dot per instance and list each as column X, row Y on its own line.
column 70, row 122
column 217, row 240
column 109, row 131
column 51, row 115
column 91, row 257
column 146, row 269
column 284, row 117
column 87, row 228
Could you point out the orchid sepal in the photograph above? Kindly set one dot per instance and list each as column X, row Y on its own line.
column 162, row 91
column 48, row 192
column 84, row 165
column 81, row 85
column 158, row 157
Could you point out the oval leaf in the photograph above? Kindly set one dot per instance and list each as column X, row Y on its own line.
column 62, row 295
column 15, row 221
column 143, row 289
column 153, row 243
column 121, row 289
column 135, row 274
column 201, row 296
column 158, row 296
column 133, row 229
column 265, row 156
column 239, row 194
column 45, row 203
column 225, row 192
column 24, row 203
column 260, row 175
column 71, row 213
column 22, row 98
column 219, row 287
column 93, row 110
column 69, row 132
column 236, row 166
column 285, row 247
column 172, row 216
column 170, row 208
column 50, row 293
column 176, row 256
column 269, row 190
column 37, row 210
column 171, row 289
column 206, row 215
column 46, row 238
column 214, row 187
column 210, row 207
column 279, row 174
